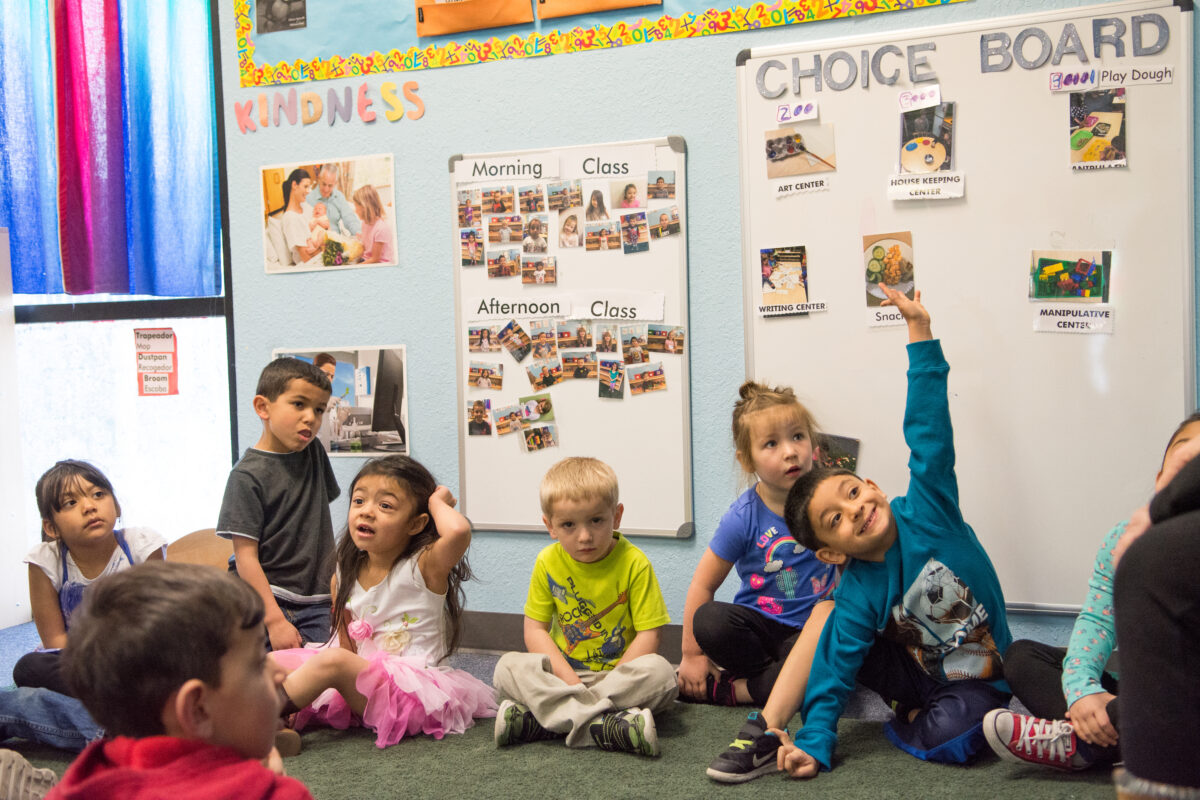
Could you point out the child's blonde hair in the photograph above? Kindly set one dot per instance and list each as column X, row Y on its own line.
column 368, row 198
column 754, row 397
column 579, row 479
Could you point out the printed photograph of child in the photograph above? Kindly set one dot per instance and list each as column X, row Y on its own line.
column 579, row 364
column 608, row 340
column 664, row 339
column 470, row 208
column 477, row 418
column 535, row 240
column 604, row 235
column 541, row 437
column 482, row 339
column 646, row 378
column 535, row 408
column 515, row 340
column 628, row 193
column 635, row 236
column 498, row 200
column 531, row 199
column 544, row 372
column 505, row 229
column 539, row 269
column 564, row 195
column 573, row 333
column 503, row 263
column 471, row 240
column 612, row 380
column 660, row 185
column 507, row 419
column 485, row 375
column 633, row 343
column 665, row 222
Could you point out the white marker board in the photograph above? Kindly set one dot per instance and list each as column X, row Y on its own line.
column 1058, row 435
column 641, row 281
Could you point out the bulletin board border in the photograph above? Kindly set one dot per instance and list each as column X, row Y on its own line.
column 535, row 43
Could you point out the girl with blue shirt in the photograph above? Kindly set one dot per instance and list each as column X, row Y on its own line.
column 733, row 652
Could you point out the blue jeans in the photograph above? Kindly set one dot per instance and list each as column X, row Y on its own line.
column 47, row 717
column 310, row 619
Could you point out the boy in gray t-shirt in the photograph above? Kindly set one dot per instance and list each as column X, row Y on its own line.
column 276, row 505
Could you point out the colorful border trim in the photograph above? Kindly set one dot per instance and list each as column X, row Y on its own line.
column 710, row 22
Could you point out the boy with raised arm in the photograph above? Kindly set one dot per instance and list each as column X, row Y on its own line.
column 276, row 505
column 169, row 659
column 592, row 617
column 918, row 616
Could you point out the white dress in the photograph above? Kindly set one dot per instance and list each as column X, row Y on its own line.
column 398, row 626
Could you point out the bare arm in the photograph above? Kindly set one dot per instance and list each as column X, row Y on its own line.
column 537, row 640
column 47, row 614
column 454, row 536
column 245, row 553
column 376, row 254
column 644, row 643
column 694, row 666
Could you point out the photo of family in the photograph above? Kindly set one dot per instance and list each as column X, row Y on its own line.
column 329, row 215
column 564, row 195
column 515, row 340
column 503, row 263
column 477, row 418
column 660, row 185
column 784, row 275
column 803, row 150
column 505, row 230
column 665, row 222
column 544, row 372
column 539, row 269
column 602, row 236
column 612, row 380
column 367, row 413
column 635, row 238
column 579, row 364
column 507, row 419
column 498, row 200
column 541, row 437
column 646, row 378
column 471, row 246
column 664, row 339
column 485, row 375
column 1098, row 127
column 627, row 193
column 574, row 333
column 530, row 199
column 927, row 139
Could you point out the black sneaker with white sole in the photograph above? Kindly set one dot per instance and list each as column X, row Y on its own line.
column 751, row 754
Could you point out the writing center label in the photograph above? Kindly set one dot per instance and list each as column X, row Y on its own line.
column 1073, row 319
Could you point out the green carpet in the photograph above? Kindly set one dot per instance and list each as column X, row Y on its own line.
column 346, row 765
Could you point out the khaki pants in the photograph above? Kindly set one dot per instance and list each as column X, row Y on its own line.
column 645, row 682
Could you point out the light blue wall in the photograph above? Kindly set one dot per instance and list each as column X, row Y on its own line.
column 683, row 88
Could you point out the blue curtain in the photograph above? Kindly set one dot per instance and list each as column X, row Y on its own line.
column 137, row 70
column 28, row 198
column 172, row 192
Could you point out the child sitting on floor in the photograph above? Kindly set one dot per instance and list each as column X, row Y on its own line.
column 169, row 659
column 592, row 618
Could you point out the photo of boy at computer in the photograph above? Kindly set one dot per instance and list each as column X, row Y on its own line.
column 368, row 407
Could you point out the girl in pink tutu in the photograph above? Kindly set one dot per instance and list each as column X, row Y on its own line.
column 398, row 602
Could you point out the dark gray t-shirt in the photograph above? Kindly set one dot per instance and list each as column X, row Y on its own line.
column 282, row 501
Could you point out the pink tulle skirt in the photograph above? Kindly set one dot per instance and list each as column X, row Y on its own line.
column 404, row 697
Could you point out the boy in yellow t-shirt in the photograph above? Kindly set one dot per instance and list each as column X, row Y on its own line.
column 592, row 618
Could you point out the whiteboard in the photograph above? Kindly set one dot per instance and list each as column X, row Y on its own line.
column 644, row 437
column 1058, row 435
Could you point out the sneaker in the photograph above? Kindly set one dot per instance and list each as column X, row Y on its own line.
column 631, row 730
column 752, row 753
column 515, row 724
column 20, row 780
column 718, row 691
column 1021, row 737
